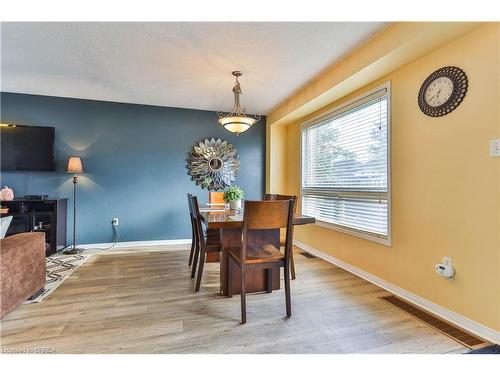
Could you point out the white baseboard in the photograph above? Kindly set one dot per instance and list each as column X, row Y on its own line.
column 450, row 316
column 182, row 244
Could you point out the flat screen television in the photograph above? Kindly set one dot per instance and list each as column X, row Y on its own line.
column 27, row 148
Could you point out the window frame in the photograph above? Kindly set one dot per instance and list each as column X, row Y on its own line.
column 343, row 107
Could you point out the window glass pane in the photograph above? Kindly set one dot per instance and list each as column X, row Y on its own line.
column 344, row 154
column 364, row 214
column 348, row 151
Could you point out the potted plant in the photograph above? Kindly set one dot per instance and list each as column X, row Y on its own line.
column 233, row 195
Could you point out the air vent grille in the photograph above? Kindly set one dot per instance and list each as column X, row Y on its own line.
column 449, row 330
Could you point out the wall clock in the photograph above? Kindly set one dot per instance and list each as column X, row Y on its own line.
column 442, row 91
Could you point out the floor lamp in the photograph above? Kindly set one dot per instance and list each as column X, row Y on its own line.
column 75, row 166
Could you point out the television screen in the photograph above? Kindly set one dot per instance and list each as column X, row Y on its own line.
column 27, row 148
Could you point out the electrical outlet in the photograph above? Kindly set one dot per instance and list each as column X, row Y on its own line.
column 446, row 268
column 115, row 221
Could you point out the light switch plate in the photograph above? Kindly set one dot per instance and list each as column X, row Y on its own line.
column 495, row 148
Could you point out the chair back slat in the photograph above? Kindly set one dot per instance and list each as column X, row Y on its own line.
column 270, row 197
column 267, row 215
column 288, row 197
column 216, row 197
column 190, row 206
column 196, row 217
column 270, row 214
column 280, row 197
column 191, row 211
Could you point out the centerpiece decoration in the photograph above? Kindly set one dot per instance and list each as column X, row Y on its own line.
column 233, row 195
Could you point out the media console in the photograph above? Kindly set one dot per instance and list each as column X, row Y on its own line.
column 39, row 215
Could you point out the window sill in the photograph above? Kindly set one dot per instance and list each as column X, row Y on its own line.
column 355, row 233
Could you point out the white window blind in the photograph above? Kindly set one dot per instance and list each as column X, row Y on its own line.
column 345, row 166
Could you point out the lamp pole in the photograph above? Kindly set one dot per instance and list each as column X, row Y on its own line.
column 75, row 166
column 75, row 181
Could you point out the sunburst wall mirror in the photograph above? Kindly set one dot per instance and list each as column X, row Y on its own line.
column 213, row 164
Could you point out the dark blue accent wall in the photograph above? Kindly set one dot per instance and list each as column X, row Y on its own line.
column 135, row 162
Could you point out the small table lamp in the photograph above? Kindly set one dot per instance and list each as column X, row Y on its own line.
column 75, row 166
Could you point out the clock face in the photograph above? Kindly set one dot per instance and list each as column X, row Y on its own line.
column 442, row 91
column 439, row 91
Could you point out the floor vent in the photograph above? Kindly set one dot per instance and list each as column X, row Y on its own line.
column 307, row 255
column 449, row 330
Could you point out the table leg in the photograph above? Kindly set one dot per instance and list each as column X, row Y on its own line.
column 213, row 237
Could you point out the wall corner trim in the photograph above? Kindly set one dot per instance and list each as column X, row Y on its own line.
column 180, row 244
column 452, row 317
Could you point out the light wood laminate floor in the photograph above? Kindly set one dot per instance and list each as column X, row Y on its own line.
column 142, row 301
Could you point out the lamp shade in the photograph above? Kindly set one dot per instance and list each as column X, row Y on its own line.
column 75, row 165
column 237, row 124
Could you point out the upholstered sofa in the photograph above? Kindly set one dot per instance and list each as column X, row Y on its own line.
column 22, row 269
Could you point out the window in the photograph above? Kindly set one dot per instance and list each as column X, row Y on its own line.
column 345, row 167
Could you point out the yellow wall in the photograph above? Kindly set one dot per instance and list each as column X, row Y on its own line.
column 445, row 187
column 277, row 170
column 391, row 48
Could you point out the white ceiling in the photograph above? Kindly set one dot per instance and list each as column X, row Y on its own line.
column 173, row 64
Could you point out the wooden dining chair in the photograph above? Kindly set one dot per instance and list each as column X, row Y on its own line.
column 279, row 197
column 258, row 216
column 205, row 245
column 216, row 197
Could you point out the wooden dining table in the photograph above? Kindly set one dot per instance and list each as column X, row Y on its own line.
column 227, row 226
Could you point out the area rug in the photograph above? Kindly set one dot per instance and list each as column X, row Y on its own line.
column 58, row 268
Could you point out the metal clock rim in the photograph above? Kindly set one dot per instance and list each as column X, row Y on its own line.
column 460, row 85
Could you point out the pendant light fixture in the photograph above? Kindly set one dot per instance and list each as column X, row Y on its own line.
column 237, row 121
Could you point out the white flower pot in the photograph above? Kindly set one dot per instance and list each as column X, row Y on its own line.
column 235, row 205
